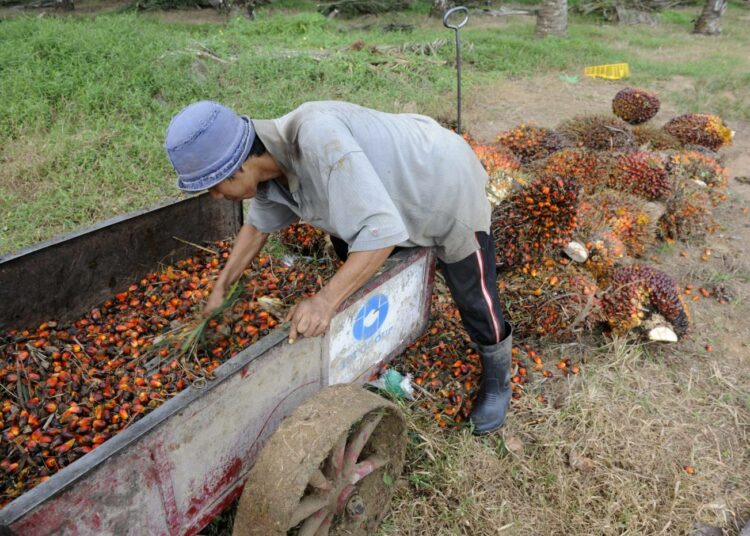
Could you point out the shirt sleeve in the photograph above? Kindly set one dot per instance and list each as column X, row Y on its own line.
column 267, row 216
column 362, row 212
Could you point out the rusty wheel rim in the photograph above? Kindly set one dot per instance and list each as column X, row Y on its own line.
column 328, row 469
column 333, row 497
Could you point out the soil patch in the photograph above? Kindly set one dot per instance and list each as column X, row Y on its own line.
column 548, row 100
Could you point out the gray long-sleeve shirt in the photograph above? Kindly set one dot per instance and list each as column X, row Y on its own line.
column 373, row 179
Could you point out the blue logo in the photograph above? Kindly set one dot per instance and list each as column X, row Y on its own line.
column 370, row 317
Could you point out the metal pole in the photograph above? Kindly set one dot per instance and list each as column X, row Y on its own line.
column 457, row 27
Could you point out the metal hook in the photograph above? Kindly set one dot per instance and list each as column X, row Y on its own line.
column 457, row 27
column 452, row 11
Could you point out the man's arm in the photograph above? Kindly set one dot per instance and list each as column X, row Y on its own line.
column 312, row 317
column 247, row 245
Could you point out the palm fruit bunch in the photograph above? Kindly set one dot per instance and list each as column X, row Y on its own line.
column 618, row 213
column 702, row 169
column 529, row 142
column 496, row 157
column 633, row 228
column 584, row 166
column 502, row 168
column 534, row 219
column 304, row 239
column 639, row 293
column 501, row 183
column 655, row 139
column 556, row 300
column 641, row 173
column 635, row 106
column 605, row 251
column 700, row 129
column 686, row 216
column 591, row 218
column 599, row 132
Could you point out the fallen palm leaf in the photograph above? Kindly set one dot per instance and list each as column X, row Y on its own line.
column 187, row 337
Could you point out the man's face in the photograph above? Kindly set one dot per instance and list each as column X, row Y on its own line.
column 242, row 185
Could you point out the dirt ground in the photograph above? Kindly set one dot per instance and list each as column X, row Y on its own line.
column 547, row 101
column 609, row 454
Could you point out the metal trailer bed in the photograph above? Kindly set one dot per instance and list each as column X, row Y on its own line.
column 182, row 464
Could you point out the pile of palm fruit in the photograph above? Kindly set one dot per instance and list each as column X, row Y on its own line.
column 575, row 211
column 69, row 387
column 590, row 197
column 303, row 239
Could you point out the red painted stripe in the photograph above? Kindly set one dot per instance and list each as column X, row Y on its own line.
column 487, row 297
column 204, row 510
column 162, row 471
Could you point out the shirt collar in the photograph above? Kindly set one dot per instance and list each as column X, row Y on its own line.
column 279, row 147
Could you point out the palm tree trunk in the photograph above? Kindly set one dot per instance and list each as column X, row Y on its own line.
column 709, row 21
column 552, row 18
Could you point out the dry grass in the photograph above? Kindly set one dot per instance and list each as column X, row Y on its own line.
column 607, row 455
column 24, row 158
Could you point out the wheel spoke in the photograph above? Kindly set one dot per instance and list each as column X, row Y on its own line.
column 308, row 506
column 312, row 524
column 319, row 481
column 326, row 526
column 337, row 459
column 366, row 467
column 358, row 442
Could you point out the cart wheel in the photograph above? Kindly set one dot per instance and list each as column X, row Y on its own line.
column 328, row 469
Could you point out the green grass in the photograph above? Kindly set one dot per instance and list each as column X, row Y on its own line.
column 86, row 100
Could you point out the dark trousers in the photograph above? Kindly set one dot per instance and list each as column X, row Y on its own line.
column 473, row 285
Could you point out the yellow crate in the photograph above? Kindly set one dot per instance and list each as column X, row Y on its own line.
column 613, row 71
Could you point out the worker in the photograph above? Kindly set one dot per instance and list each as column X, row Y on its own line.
column 374, row 181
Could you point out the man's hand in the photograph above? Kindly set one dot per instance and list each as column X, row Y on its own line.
column 310, row 317
column 215, row 299
column 247, row 245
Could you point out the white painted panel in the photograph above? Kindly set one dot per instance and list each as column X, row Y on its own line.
column 370, row 329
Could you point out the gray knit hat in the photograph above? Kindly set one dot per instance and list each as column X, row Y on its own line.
column 206, row 143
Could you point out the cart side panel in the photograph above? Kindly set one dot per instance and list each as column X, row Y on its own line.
column 65, row 277
column 223, row 435
column 122, row 490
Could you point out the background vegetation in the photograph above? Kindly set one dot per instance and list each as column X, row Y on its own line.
column 87, row 98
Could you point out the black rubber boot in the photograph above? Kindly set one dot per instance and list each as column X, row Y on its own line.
column 494, row 390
